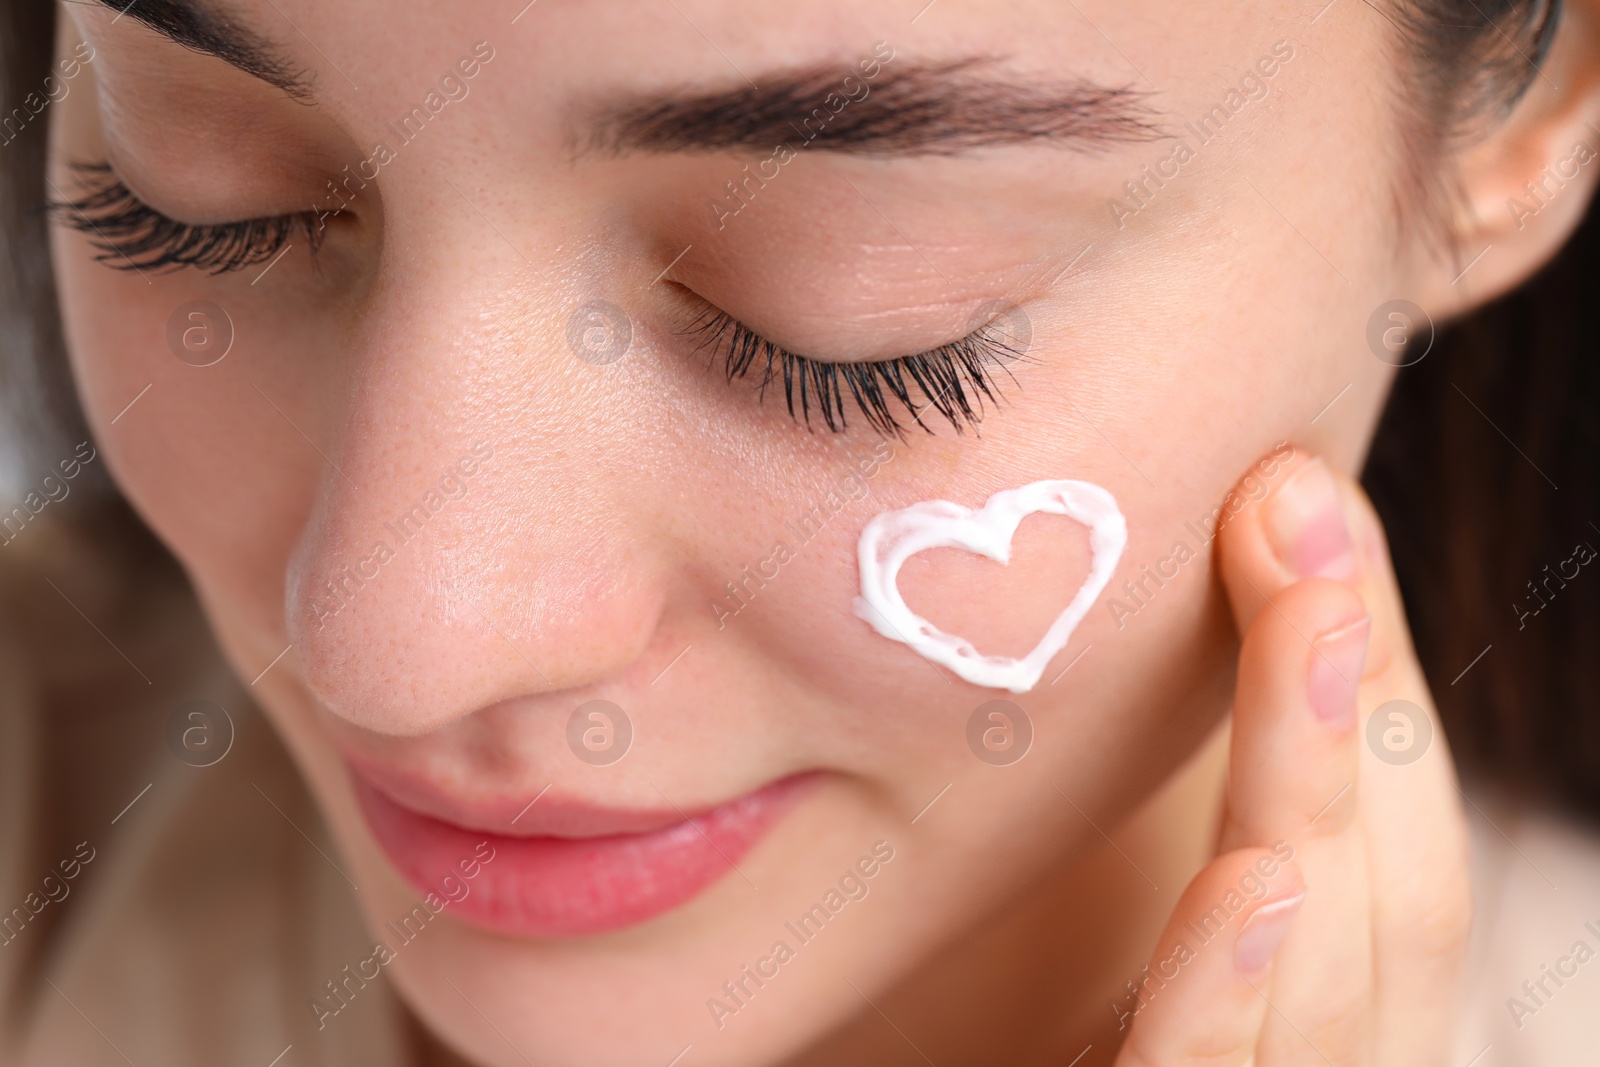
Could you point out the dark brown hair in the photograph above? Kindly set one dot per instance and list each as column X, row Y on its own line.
column 39, row 405
column 1486, row 466
column 1486, row 463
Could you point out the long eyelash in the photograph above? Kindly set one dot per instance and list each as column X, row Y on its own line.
column 132, row 235
column 954, row 379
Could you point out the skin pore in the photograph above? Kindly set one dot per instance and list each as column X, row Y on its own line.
column 1170, row 348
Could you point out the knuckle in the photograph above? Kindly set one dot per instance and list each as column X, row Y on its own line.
column 1137, row 1051
column 1439, row 917
column 1334, row 1028
column 1206, row 1050
column 1215, row 1052
column 1329, row 814
column 1431, row 906
column 1132, row 1055
column 1342, row 1037
column 1443, row 928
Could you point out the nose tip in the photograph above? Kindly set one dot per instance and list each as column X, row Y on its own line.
column 411, row 607
column 481, row 538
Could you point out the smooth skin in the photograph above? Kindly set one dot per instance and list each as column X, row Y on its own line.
column 1168, row 355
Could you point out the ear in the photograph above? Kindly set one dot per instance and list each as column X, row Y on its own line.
column 1526, row 186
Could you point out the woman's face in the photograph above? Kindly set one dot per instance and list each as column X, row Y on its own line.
column 468, row 468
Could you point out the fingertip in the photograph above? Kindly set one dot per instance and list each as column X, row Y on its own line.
column 1297, row 529
column 1262, row 933
column 1243, row 880
column 1378, row 584
column 1306, row 612
column 1305, row 524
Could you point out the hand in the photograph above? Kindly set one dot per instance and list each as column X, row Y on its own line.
column 1331, row 928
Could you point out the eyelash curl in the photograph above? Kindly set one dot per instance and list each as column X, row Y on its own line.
column 953, row 379
column 132, row 235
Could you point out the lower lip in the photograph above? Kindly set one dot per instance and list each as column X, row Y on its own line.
column 553, row 887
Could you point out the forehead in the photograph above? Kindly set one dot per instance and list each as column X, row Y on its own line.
column 365, row 49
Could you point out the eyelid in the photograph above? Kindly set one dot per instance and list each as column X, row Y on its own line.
column 132, row 235
column 953, row 379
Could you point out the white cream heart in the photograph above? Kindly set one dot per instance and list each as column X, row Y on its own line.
column 895, row 536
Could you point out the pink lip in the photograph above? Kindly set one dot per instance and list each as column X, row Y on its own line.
column 509, row 816
column 574, row 870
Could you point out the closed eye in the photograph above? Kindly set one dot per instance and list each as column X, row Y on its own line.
column 131, row 235
column 954, row 379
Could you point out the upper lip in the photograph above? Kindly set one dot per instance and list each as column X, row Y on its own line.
column 536, row 814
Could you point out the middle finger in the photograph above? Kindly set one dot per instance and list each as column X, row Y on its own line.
column 1292, row 785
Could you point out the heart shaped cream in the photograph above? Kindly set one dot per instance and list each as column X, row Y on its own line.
column 895, row 536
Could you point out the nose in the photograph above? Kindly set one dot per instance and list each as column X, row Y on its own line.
column 481, row 537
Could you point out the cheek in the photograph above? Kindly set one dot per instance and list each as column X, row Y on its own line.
column 199, row 451
column 1003, row 610
column 873, row 686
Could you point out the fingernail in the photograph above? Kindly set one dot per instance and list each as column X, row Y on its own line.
column 1263, row 933
column 1306, row 525
column 1336, row 661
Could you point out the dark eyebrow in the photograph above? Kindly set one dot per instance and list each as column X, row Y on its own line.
column 929, row 109
column 214, row 33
